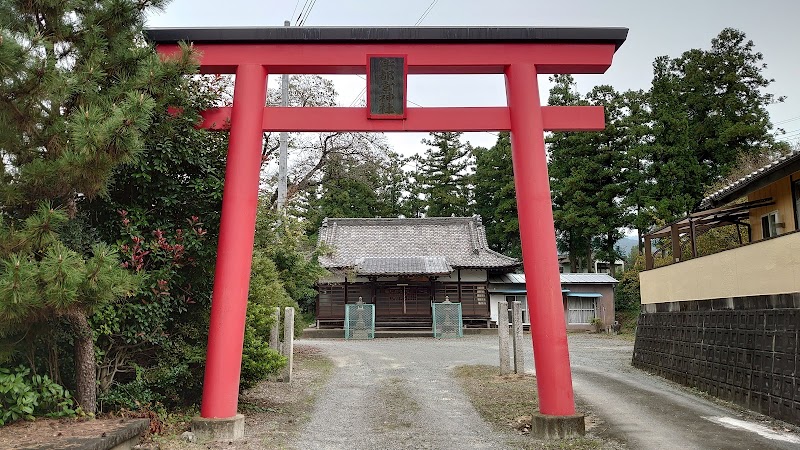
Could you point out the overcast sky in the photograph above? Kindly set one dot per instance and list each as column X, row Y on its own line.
column 656, row 28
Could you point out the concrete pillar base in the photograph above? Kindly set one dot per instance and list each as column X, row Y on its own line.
column 227, row 429
column 557, row 427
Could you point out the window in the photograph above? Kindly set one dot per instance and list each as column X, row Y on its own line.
column 769, row 225
column 523, row 303
column 580, row 310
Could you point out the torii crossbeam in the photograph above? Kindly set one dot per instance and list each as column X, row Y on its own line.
column 519, row 53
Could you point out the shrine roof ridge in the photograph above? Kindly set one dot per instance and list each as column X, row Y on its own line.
column 421, row 35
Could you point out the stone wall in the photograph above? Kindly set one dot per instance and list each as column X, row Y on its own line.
column 742, row 349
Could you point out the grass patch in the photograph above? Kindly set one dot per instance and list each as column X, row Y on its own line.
column 500, row 400
column 275, row 412
column 397, row 407
column 507, row 402
column 628, row 320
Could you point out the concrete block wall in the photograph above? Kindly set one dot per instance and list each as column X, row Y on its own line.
column 741, row 349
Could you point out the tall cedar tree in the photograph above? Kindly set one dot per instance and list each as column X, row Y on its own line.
column 443, row 177
column 709, row 106
column 588, row 172
column 495, row 196
column 573, row 212
column 636, row 183
column 393, row 187
column 77, row 95
column 606, row 170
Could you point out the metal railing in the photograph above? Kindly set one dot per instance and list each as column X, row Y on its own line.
column 359, row 321
column 448, row 321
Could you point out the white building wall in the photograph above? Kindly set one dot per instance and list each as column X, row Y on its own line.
column 467, row 276
column 495, row 297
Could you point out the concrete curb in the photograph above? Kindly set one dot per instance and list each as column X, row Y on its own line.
column 333, row 333
column 123, row 438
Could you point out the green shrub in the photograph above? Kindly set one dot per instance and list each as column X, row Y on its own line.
column 24, row 397
column 258, row 361
column 132, row 395
column 626, row 295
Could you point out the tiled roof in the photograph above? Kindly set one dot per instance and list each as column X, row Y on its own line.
column 591, row 278
column 427, row 265
column 566, row 278
column 751, row 177
column 459, row 241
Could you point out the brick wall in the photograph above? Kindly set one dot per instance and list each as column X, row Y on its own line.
column 742, row 349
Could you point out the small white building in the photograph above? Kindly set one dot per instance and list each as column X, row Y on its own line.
column 586, row 296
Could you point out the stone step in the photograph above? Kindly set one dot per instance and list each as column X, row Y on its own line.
column 338, row 333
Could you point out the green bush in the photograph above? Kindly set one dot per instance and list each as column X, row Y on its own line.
column 24, row 397
column 626, row 295
column 258, row 361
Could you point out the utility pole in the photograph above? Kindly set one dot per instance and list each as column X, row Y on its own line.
column 284, row 143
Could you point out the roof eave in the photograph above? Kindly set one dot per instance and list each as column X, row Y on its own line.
column 781, row 170
column 421, row 35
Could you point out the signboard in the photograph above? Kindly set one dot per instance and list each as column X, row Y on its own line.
column 386, row 86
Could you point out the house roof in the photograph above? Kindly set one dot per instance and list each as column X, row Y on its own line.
column 704, row 220
column 423, row 265
column 768, row 174
column 566, row 278
column 406, row 246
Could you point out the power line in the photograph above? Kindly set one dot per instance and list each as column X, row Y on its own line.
column 308, row 12
column 787, row 120
column 409, row 101
column 419, row 21
column 790, row 136
column 358, row 97
column 295, row 9
column 302, row 10
column 426, row 12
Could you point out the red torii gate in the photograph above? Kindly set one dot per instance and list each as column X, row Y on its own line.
column 519, row 53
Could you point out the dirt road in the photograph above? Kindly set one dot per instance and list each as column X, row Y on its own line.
column 399, row 393
column 648, row 412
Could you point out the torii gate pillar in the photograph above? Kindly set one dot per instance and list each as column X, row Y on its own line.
column 519, row 53
column 537, row 232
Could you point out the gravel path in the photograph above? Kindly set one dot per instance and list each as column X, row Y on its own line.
column 649, row 412
column 399, row 393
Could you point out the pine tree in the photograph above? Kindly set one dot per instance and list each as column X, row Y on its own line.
column 443, row 178
column 42, row 278
column 495, row 196
column 78, row 93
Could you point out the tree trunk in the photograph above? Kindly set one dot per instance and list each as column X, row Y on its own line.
column 85, row 367
column 640, row 238
column 573, row 258
column 611, row 257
